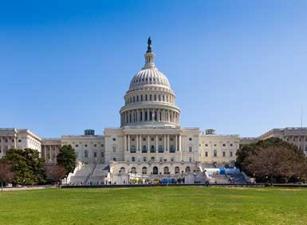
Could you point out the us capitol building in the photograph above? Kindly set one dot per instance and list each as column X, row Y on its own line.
column 149, row 145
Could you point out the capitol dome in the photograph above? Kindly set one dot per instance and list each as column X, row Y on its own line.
column 149, row 76
column 150, row 100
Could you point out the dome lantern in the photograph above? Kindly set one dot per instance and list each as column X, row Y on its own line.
column 149, row 55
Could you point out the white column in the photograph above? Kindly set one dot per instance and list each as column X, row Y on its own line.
column 164, row 140
column 156, row 143
column 137, row 142
column 176, row 143
column 148, row 144
column 181, row 157
column 125, row 143
column 128, row 143
column 167, row 143
column 179, row 142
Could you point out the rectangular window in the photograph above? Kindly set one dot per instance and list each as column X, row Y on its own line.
column 224, row 154
column 206, row 154
column 215, row 153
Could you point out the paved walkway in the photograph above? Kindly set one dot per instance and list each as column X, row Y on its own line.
column 25, row 188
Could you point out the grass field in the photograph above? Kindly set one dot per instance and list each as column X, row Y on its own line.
column 156, row 205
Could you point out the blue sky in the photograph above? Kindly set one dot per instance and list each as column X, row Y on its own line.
column 236, row 66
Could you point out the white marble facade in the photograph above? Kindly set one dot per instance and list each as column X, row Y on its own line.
column 18, row 138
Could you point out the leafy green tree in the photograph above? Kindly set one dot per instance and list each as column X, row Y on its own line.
column 6, row 173
column 27, row 166
column 67, row 158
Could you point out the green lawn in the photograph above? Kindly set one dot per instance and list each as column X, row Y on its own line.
column 156, row 205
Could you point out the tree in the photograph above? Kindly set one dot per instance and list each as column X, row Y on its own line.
column 55, row 173
column 67, row 158
column 272, row 159
column 6, row 173
column 27, row 166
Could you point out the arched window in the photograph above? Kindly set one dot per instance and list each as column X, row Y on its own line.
column 144, row 170
column 144, row 149
column 214, row 153
column 166, row 170
column 155, row 170
column 133, row 170
column 177, row 170
column 187, row 169
column 122, row 170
